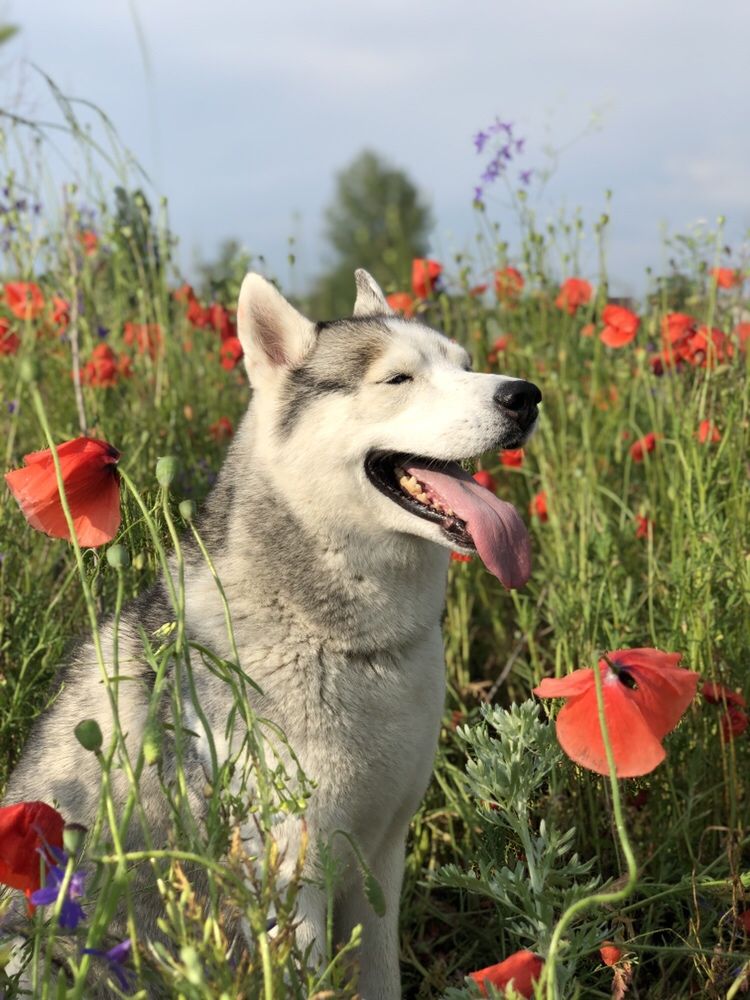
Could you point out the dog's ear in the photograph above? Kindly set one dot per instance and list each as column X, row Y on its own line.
column 370, row 298
column 272, row 333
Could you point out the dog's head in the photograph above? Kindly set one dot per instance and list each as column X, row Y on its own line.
column 360, row 424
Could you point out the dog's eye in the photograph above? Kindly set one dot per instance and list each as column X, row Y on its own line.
column 398, row 379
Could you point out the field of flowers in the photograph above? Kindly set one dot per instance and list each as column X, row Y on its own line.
column 574, row 864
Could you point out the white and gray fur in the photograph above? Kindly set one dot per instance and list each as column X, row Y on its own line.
column 336, row 593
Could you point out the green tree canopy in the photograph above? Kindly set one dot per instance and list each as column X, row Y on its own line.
column 377, row 220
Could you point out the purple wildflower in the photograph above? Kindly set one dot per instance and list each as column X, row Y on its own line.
column 520, row 143
column 71, row 912
column 478, row 193
column 480, row 140
column 499, row 126
column 12, row 405
column 102, row 331
column 525, row 176
column 115, row 959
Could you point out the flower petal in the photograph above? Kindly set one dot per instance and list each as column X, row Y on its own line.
column 579, row 682
column 635, row 748
column 664, row 690
column 613, row 336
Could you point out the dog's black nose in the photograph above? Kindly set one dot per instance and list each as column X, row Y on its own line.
column 520, row 399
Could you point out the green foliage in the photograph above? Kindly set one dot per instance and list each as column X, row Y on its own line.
column 221, row 278
column 525, row 864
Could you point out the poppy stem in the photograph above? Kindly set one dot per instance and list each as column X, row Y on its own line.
column 599, row 898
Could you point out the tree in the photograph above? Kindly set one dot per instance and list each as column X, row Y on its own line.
column 377, row 220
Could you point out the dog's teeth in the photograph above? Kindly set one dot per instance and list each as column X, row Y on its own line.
column 410, row 484
column 422, row 497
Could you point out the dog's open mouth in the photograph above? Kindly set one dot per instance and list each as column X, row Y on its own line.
column 470, row 516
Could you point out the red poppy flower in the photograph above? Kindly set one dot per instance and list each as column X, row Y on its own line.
column 24, row 299
column 147, row 338
column 645, row 695
column 477, row 290
column 230, row 353
column 486, row 480
column 60, row 312
column 610, row 953
column 26, row 829
column 708, row 432
column 222, row 320
column 92, row 488
column 733, row 723
column 198, row 315
column 522, row 969
column 424, row 274
column 588, row 330
column 89, row 241
column 705, row 347
column 498, row 346
column 538, row 506
column 742, row 332
column 459, row 557
column 401, row 302
column 674, row 326
column 643, row 445
column 9, row 342
column 720, row 694
column 726, row 277
column 102, row 370
column 643, row 526
column 574, row 293
column 184, row 293
column 509, row 283
column 620, row 326
column 512, row 458
column 221, row 429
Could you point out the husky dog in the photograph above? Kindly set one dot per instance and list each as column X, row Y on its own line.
column 330, row 528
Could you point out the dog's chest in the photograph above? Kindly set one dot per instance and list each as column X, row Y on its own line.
column 363, row 727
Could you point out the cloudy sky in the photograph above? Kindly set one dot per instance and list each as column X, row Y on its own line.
column 242, row 111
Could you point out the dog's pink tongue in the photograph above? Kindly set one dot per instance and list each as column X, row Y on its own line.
column 495, row 526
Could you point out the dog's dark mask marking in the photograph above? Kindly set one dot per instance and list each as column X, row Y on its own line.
column 344, row 351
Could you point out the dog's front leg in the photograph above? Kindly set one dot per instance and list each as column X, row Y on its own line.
column 380, row 977
column 310, row 930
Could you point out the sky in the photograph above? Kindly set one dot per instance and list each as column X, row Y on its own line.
column 241, row 112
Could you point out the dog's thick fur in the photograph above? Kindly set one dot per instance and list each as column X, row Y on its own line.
column 336, row 594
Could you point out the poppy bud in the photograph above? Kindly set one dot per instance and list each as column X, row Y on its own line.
column 118, row 556
column 73, row 834
column 89, row 735
column 152, row 742
column 187, row 510
column 166, row 470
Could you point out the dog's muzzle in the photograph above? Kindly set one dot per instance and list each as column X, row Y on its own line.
column 519, row 401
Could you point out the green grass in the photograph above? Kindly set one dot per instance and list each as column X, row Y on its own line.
column 595, row 586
